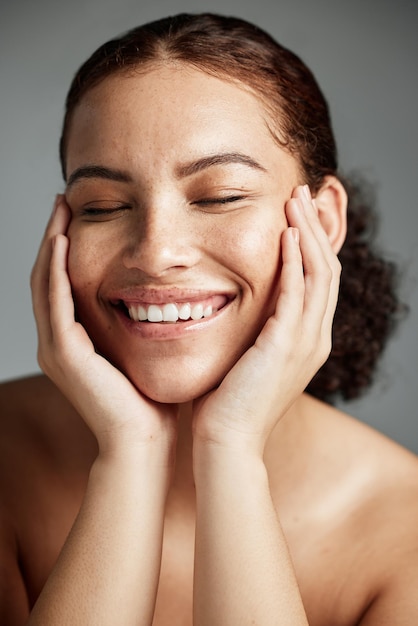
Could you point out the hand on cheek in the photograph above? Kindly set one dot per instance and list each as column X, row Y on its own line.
column 291, row 347
column 118, row 415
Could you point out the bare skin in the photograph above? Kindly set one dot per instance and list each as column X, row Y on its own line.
column 187, row 478
column 355, row 490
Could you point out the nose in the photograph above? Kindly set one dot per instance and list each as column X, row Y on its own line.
column 161, row 240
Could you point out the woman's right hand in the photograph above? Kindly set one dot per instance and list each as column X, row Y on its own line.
column 115, row 544
column 116, row 412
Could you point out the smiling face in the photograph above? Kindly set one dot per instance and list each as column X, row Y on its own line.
column 177, row 190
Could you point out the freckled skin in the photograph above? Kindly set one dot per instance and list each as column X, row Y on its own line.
column 141, row 124
column 342, row 491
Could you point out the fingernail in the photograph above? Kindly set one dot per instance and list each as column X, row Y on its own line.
column 307, row 192
column 295, row 234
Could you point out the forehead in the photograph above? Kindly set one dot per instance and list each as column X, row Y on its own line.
column 172, row 109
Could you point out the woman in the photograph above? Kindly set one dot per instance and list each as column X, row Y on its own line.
column 170, row 469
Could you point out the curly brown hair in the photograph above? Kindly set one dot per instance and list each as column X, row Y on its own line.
column 237, row 50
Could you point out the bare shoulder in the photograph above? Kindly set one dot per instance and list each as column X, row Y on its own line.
column 387, row 525
column 26, row 396
column 41, row 438
column 361, row 453
column 378, row 477
column 36, row 419
column 45, row 455
column 347, row 498
column 370, row 487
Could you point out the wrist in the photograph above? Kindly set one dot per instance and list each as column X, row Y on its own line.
column 130, row 454
column 123, row 443
column 141, row 473
column 245, row 445
column 236, row 461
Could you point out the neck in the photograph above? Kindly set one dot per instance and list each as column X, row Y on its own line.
column 181, row 497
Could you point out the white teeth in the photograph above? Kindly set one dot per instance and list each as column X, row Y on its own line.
column 185, row 311
column 170, row 312
column 142, row 314
column 197, row 312
column 155, row 314
column 133, row 314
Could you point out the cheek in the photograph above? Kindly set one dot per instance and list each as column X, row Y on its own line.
column 87, row 261
column 253, row 248
column 80, row 267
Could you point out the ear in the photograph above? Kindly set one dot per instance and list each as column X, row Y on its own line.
column 331, row 203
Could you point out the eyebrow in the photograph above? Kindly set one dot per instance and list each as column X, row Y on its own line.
column 225, row 158
column 183, row 171
column 98, row 171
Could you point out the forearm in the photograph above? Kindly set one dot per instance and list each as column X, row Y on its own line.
column 108, row 570
column 243, row 571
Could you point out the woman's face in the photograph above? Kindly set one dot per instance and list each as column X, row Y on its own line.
column 177, row 191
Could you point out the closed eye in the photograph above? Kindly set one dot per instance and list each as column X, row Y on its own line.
column 102, row 211
column 220, row 200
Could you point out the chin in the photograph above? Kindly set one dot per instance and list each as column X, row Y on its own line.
column 167, row 396
column 171, row 382
column 171, row 391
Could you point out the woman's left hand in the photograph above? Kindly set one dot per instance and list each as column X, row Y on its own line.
column 293, row 344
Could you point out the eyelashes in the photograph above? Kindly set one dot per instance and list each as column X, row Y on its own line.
column 220, row 200
column 102, row 213
column 97, row 211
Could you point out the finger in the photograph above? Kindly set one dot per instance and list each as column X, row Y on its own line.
column 69, row 337
column 317, row 227
column 58, row 223
column 60, row 297
column 311, row 211
column 317, row 271
column 328, row 252
column 40, row 274
column 292, row 283
column 321, row 269
column 282, row 325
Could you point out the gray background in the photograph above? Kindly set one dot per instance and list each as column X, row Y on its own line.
column 364, row 54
